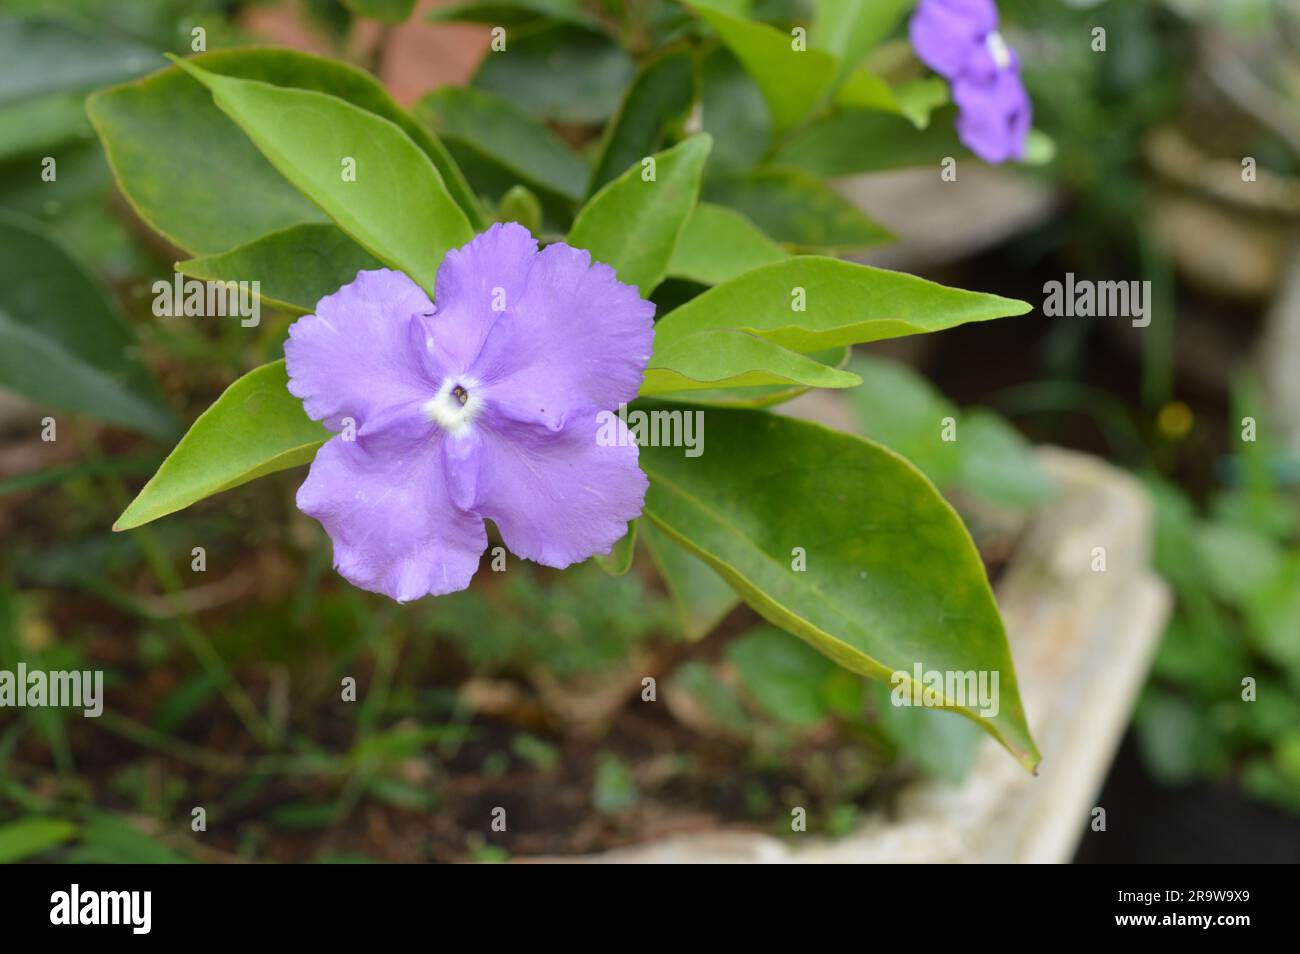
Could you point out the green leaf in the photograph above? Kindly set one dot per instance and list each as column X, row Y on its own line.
column 733, row 359
column 559, row 72
column 784, row 675
column 914, row 101
column 791, row 81
column 919, row 99
column 897, row 407
column 844, row 303
column 62, row 340
column 701, row 598
column 297, row 266
column 988, row 458
column 111, row 839
column 998, row 464
column 850, row 29
column 852, row 141
column 656, row 103
column 29, row 837
column 499, row 129
column 733, row 111
column 633, row 224
column 39, row 56
column 943, row 745
column 255, row 428
column 719, row 244
column 386, row 11
column 762, row 395
column 33, row 125
column 619, row 560
column 193, row 177
column 397, row 208
column 891, row 578
column 520, row 205
column 798, row 209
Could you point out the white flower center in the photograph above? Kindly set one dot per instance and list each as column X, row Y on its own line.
column 455, row 406
column 998, row 49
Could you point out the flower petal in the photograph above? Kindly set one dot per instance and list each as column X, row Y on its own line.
column 995, row 117
column 945, row 33
column 354, row 356
column 578, row 338
column 476, row 285
column 385, row 503
column 560, row 497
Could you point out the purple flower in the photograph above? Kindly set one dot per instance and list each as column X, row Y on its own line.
column 959, row 40
column 485, row 408
column 993, row 117
column 947, row 33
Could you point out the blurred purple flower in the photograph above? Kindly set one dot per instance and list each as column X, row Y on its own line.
column 486, row 408
column 959, row 40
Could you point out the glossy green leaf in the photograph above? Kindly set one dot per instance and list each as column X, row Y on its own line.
column 501, row 130
column 719, row 244
column 62, row 340
column 843, row 303
column 891, row 577
column 798, row 209
column 29, row 837
column 792, row 81
column 255, row 428
column 701, row 598
column 559, row 72
column 656, row 103
column 296, row 267
column 385, row 11
column 189, row 172
column 850, row 29
column 733, row 359
column 633, row 223
column 762, row 395
column 396, row 206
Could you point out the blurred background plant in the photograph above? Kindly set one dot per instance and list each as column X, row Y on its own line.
column 523, row 691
